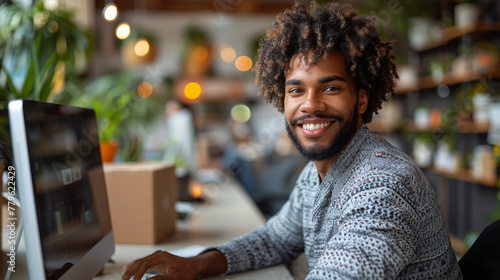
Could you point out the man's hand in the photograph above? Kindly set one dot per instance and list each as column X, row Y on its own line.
column 175, row 267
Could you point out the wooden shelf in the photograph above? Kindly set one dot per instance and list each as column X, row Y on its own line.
column 463, row 127
column 464, row 175
column 471, row 127
column 412, row 127
column 453, row 33
column 381, row 126
column 429, row 82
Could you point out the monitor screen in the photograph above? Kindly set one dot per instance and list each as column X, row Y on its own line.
column 62, row 189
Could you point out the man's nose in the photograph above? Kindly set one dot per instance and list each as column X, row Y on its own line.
column 313, row 102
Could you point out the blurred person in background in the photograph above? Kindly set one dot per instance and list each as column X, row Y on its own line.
column 234, row 160
column 181, row 144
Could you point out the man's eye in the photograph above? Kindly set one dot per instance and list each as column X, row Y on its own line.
column 294, row 90
column 331, row 88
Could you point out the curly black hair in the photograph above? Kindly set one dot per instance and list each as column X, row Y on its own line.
column 323, row 29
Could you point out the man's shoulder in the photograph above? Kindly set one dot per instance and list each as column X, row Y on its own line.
column 381, row 155
column 383, row 161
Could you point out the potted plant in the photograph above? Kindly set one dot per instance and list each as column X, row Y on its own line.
column 118, row 109
column 423, row 149
column 485, row 57
column 111, row 96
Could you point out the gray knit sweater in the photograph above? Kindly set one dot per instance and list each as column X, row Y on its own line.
column 374, row 216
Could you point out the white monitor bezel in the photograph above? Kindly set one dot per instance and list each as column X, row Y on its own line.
column 90, row 264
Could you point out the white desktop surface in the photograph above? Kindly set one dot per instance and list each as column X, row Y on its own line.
column 227, row 214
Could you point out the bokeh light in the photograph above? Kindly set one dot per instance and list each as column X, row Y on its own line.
column 145, row 89
column 141, row 47
column 123, row 31
column 196, row 190
column 192, row 90
column 241, row 113
column 40, row 19
column 228, row 54
column 53, row 26
column 243, row 63
column 110, row 12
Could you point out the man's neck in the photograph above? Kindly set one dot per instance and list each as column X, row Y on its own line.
column 325, row 165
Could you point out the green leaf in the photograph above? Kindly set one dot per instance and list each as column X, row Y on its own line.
column 34, row 59
column 97, row 107
column 29, row 81
column 46, row 85
column 12, row 87
column 47, row 74
column 3, row 94
column 124, row 100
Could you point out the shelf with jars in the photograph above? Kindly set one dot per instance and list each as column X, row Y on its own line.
column 456, row 33
column 459, row 69
column 462, row 54
column 447, row 79
column 448, row 114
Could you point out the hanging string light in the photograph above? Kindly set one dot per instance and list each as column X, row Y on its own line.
column 141, row 47
column 110, row 11
column 123, row 31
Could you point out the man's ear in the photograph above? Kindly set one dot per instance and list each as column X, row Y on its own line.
column 362, row 101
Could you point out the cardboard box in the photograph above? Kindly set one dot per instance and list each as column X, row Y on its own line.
column 142, row 199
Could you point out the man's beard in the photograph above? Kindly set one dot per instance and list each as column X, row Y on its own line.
column 347, row 129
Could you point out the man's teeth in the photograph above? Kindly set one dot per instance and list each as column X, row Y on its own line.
column 310, row 126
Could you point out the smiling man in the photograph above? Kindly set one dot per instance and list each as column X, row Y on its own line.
column 361, row 209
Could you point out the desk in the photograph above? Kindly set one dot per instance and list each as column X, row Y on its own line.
column 228, row 214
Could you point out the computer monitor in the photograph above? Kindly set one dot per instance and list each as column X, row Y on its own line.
column 61, row 185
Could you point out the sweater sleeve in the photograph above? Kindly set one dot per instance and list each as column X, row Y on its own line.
column 278, row 241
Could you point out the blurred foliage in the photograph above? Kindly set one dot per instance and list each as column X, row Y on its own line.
column 194, row 37
column 37, row 45
column 116, row 103
column 393, row 20
column 395, row 15
column 45, row 56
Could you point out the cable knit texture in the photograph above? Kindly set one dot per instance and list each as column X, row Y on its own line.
column 374, row 216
